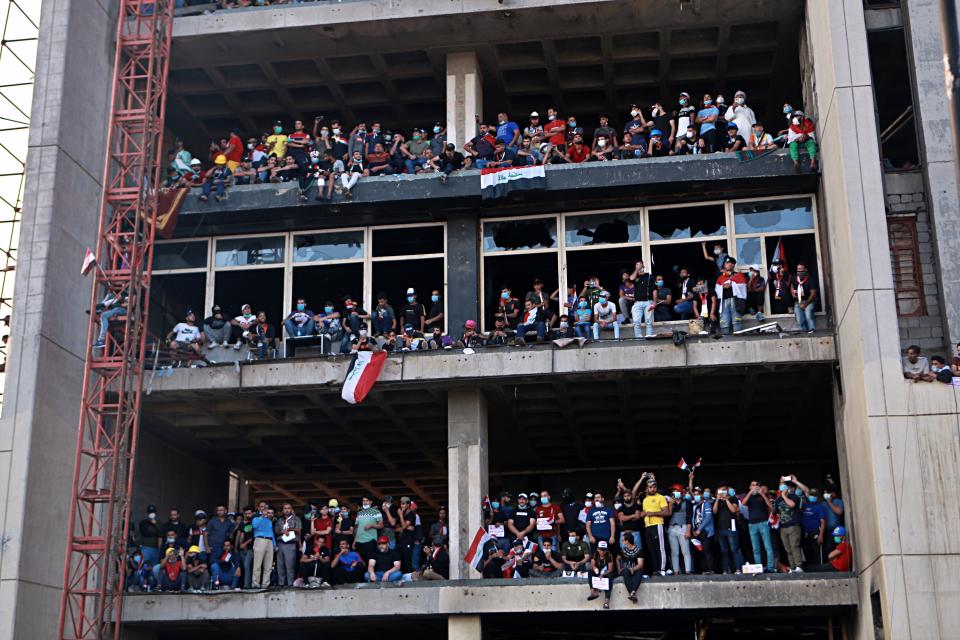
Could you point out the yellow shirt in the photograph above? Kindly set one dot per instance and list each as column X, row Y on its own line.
column 655, row 503
column 277, row 145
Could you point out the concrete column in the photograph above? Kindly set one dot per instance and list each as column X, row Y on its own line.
column 464, row 628
column 895, row 438
column 467, row 470
column 463, row 270
column 925, row 44
column 464, row 96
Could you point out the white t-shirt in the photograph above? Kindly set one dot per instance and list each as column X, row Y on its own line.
column 743, row 117
column 246, row 323
column 186, row 332
column 606, row 313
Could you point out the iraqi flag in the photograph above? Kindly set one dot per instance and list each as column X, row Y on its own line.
column 683, row 466
column 780, row 255
column 498, row 182
column 89, row 259
column 475, row 552
column 362, row 375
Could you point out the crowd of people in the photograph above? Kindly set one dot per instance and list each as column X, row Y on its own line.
column 714, row 305
column 332, row 157
column 919, row 368
column 638, row 533
column 687, row 530
column 328, row 543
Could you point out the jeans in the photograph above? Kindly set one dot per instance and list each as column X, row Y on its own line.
column 684, row 309
column 812, row 550
column 729, row 316
column 382, row 326
column 295, row 331
column 616, row 330
column 246, row 561
column 583, row 330
column 219, row 185
column 642, row 313
column 625, row 306
column 553, row 539
column 105, row 322
column 760, row 532
column 679, row 545
column 632, row 580
column 225, row 576
column 706, row 555
column 732, row 560
column 412, row 163
column 805, row 318
column 636, row 535
column 396, row 576
column 218, row 336
column 540, row 327
column 151, row 555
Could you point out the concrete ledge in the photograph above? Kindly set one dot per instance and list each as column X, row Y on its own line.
column 471, row 597
column 390, row 198
column 507, row 362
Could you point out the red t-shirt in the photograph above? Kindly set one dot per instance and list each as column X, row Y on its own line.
column 322, row 524
column 551, row 511
column 556, row 131
column 578, row 155
column 842, row 561
column 236, row 153
column 300, row 137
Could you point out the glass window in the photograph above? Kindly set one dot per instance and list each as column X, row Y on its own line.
column 773, row 215
column 748, row 252
column 688, row 222
column 615, row 228
column 320, row 247
column 407, row 241
column 180, row 255
column 513, row 235
column 235, row 252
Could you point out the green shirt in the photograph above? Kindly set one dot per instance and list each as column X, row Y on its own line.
column 365, row 517
column 416, row 147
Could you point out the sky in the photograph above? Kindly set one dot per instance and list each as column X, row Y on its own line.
column 18, row 20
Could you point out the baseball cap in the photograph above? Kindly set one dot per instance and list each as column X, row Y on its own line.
column 451, row 146
column 521, row 495
column 602, row 544
column 195, row 161
column 470, row 324
column 152, row 508
column 383, row 540
column 411, row 291
column 534, row 114
column 199, row 513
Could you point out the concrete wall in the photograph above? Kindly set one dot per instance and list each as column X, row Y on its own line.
column 61, row 204
column 898, row 442
column 463, row 271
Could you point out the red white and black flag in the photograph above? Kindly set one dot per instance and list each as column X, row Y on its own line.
column 498, row 182
column 362, row 375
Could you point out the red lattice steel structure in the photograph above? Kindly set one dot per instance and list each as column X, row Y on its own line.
column 112, row 380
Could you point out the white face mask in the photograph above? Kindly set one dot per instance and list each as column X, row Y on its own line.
column 336, row 131
column 602, row 142
column 551, row 117
column 690, row 135
column 739, row 100
column 634, row 113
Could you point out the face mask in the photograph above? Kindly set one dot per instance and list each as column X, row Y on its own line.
column 758, row 133
column 783, row 488
column 801, row 273
column 247, row 315
column 812, row 498
column 411, row 298
column 572, row 124
column 136, row 559
column 152, row 516
column 171, row 540
column 659, row 283
column 686, row 496
column 325, row 132
column 572, row 539
column 416, row 136
column 336, row 131
column 363, row 333
column 278, row 130
column 587, row 504
column 544, row 500
column 495, row 505
column 602, row 142
column 731, row 492
column 436, row 129
column 706, row 495
column 250, row 146
column 717, row 251
column 707, row 103
column 837, row 539
column 738, row 100
column 328, row 309
column 788, row 109
column 690, row 135
column 697, row 499
column 435, row 298
column 634, row 113
column 676, row 495
column 564, row 325
column 827, row 496
column 582, row 304
column 683, row 102
column 598, row 503
column 301, row 307
column 551, row 118
column 505, row 295
column 602, row 300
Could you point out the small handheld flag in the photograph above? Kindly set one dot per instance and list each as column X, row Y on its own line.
column 475, row 552
column 89, row 259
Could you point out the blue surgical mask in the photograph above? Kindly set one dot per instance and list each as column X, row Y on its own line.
column 544, row 500
column 659, row 283
column 495, row 505
column 812, row 498
column 411, row 298
column 582, row 304
column 328, row 309
column 435, row 298
column 707, row 103
column 602, row 300
column 788, row 109
column 505, row 295
column 783, row 488
column 686, row 496
column 683, row 102
column 573, row 124
column 436, row 129
column 837, row 539
column 676, row 495
column 301, row 306
column 707, row 495
column 697, row 498
column 731, row 492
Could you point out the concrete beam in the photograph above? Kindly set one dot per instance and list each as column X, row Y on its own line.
column 402, row 198
column 468, row 472
column 476, row 597
column 504, row 363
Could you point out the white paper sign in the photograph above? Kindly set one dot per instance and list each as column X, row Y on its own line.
column 495, row 530
column 600, row 584
column 752, row 568
column 289, row 536
column 544, row 524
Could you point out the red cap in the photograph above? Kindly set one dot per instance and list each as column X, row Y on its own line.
column 678, row 487
column 383, row 539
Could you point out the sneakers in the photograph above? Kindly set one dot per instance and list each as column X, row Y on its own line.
column 236, row 347
column 759, row 316
column 203, row 198
column 669, row 572
column 99, row 344
column 443, row 178
column 212, row 345
column 796, row 570
column 226, row 343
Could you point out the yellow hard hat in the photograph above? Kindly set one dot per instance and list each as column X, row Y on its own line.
column 193, row 549
column 221, row 159
column 169, row 552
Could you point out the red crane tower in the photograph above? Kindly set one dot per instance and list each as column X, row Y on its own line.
column 112, row 380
